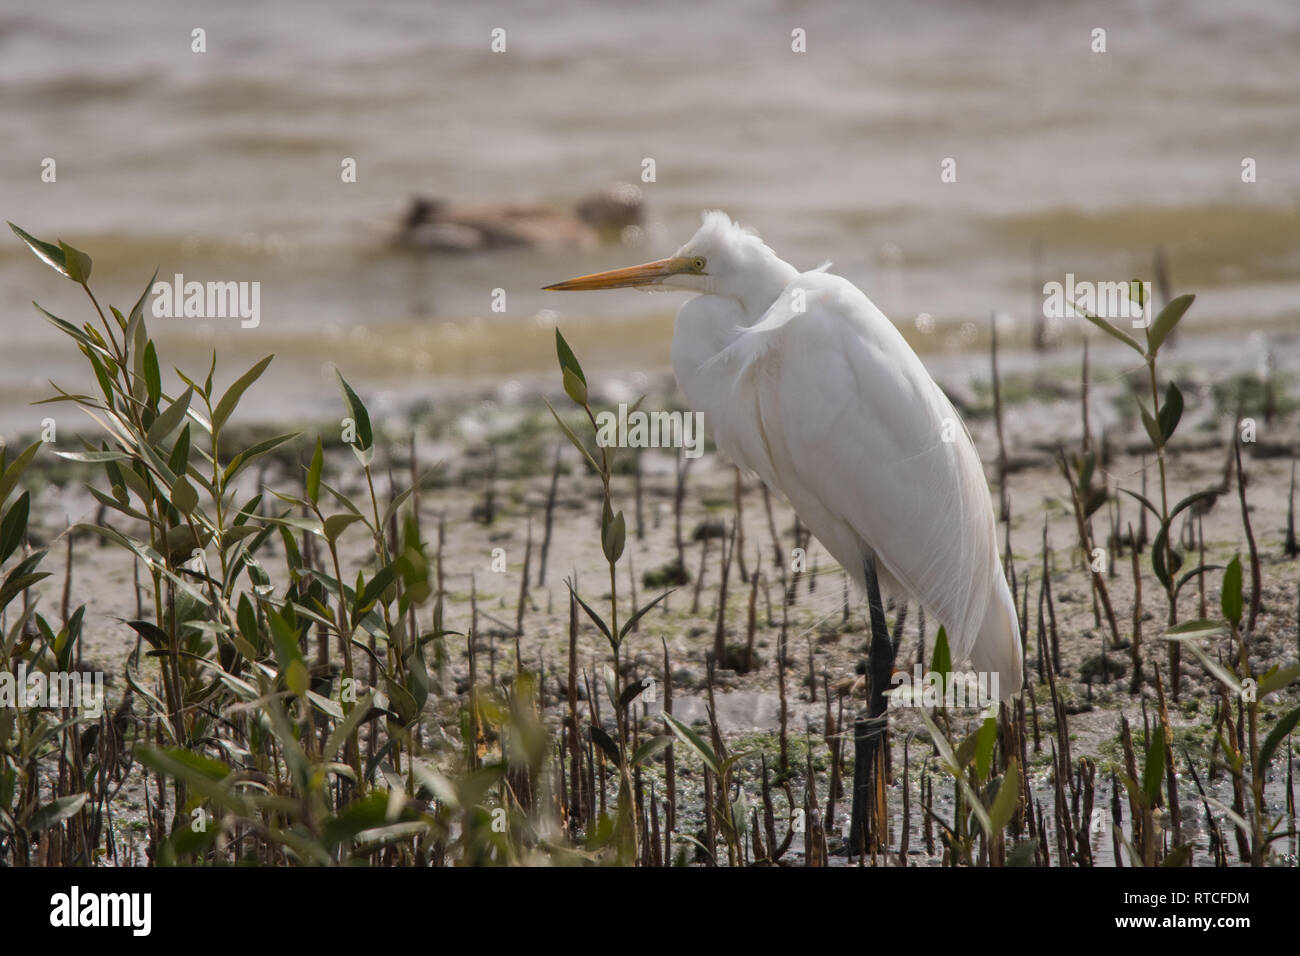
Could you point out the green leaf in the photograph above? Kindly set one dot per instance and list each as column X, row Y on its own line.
column 246, row 617
column 1199, row 569
column 401, row 702
column 568, row 361
column 577, row 442
column 631, row 692
column 296, row 678
column 1277, row 677
column 313, row 473
column 341, row 498
column 591, row 613
column 1166, row 320
column 376, row 586
column 1154, row 771
column 649, row 748
column 50, row 254
column 186, row 844
column 1145, row 502
column 631, row 621
column 1134, row 791
column 16, row 584
column 950, row 763
column 284, row 637
column 1202, row 627
column 231, row 398
column 310, row 525
column 184, row 497
column 1193, row 498
column 693, row 740
column 1170, row 412
column 9, row 476
column 1230, row 593
column 94, row 457
column 106, row 384
column 1236, row 818
column 965, row 751
column 988, row 735
column 941, row 660
column 418, row 674
column 335, row 524
column 204, row 775
column 397, row 501
column 1217, row 670
column 168, row 420
column 575, row 387
column 152, row 375
column 1008, row 797
column 76, row 262
column 1112, row 330
column 55, row 812
column 1093, row 501
column 67, row 328
column 178, row 461
column 941, row 744
column 1279, row 733
column 740, row 815
column 1086, row 468
column 153, row 635
column 1160, row 553
column 357, row 412
column 606, row 744
column 207, row 382
column 360, row 815
column 14, row 527
column 1152, row 427
column 614, row 538
column 342, row 730
column 1137, row 292
column 137, row 311
column 242, row 460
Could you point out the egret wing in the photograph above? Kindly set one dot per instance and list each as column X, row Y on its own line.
column 872, row 455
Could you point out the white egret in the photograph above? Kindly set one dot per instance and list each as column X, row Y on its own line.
column 803, row 381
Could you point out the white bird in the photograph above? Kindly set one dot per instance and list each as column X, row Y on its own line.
column 803, row 381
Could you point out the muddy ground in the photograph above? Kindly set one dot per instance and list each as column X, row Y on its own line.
column 493, row 451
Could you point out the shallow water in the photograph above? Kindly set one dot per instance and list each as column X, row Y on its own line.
column 226, row 165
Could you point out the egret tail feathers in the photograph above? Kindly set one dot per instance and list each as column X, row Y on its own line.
column 997, row 647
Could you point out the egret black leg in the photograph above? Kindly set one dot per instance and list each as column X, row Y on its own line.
column 869, row 730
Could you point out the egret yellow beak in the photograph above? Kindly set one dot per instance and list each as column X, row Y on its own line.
column 647, row 273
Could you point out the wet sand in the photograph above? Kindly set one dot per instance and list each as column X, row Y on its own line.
column 507, row 443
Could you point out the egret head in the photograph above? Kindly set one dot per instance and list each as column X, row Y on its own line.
column 722, row 258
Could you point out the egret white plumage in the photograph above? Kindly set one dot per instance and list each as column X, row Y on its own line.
column 803, row 381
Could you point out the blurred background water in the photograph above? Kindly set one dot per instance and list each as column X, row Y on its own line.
column 226, row 165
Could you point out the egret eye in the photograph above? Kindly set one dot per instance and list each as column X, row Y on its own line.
column 698, row 263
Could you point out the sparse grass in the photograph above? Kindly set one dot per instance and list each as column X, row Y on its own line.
column 297, row 691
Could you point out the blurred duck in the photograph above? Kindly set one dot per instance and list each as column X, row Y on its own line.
column 440, row 226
